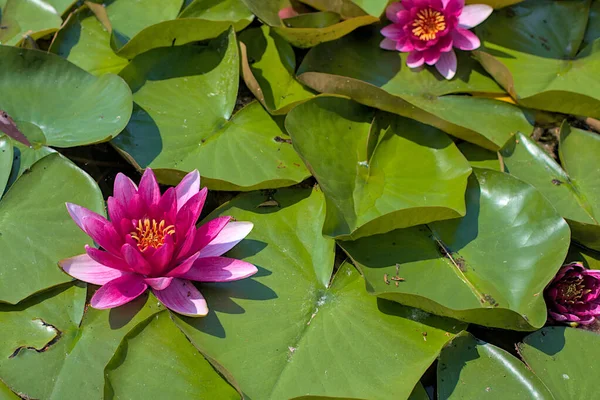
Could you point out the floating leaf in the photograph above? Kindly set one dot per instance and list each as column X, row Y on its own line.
column 85, row 42
column 493, row 264
column 575, row 194
column 494, row 3
column 59, row 103
column 6, row 160
column 531, row 49
column 182, row 121
column 394, row 172
column 156, row 25
column 473, row 369
column 480, row 157
column 32, row 18
column 565, row 359
column 8, row 126
column 28, row 263
column 135, row 372
column 37, row 334
column 356, row 67
column 296, row 330
column 268, row 64
column 218, row 10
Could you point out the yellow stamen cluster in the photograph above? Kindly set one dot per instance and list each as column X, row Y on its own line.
column 428, row 23
column 150, row 233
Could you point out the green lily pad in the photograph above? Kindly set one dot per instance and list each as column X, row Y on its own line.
column 218, row 10
column 347, row 8
column 419, row 393
column 304, row 328
column 320, row 19
column 6, row 393
column 52, row 99
column 532, row 50
column 56, row 373
column 267, row 10
column 565, row 359
column 394, row 173
column 494, row 263
column 473, row 369
column 494, row 3
column 182, row 121
column 61, row 6
column 479, row 157
column 135, row 372
column 575, row 194
column 85, row 42
column 36, row 335
column 6, row 160
column 23, row 158
column 28, row 263
column 157, row 24
column 356, row 67
column 589, row 258
column 592, row 31
column 33, row 18
column 268, row 64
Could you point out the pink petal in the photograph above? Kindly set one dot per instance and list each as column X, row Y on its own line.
column 118, row 292
column 135, row 259
column 103, row 233
column 207, row 233
column 392, row 11
column 453, row 7
column 232, row 234
column 84, row 268
column 405, row 45
column 107, row 259
column 388, row 44
column 183, row 267
column 78, row 214
column 182, row 297
column 415, row 59
column 188, row 187
column 124, row 189
column 219, row 269
column 166, row 209
column 190, row 212
column 163, row 255
column 465, row 40
column 149, row 190
column 431, row 56
column 394, row 32
column 446, row 65
column 158, row 283
column 287, row 12
column 474, row 14
column 116, row 212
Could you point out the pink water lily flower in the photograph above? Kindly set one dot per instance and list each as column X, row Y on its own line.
column 152, row 241
column 429, row 29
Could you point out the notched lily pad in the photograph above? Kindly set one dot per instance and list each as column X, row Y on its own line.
column 489, row 267
column 356, row 67
column 184, row 98
column 379, row 172
column 20, row 19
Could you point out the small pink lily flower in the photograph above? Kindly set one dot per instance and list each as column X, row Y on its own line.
column 429, row 29
column 152, row 241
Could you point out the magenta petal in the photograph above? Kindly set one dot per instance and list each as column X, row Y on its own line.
column 404, row 45
column 219, row 269
column 84, row 268
column 190, row 212
column 446, row 65
column 453, row 7
column 116, row 211
column 394, row 32
column 118, row 292
column 107, row 259
column 182, row 297
column 103, row 233
column 158, row 283
column 167, row 206
column 392, row 11
column 183, row 267
column 149, row 190
column 388, row 44
column 415, row 59
column 163, row 255
column 135, row 260
column 79, row 213
column 465, row 40
column 431, row 56
column 474, row 14
column 208, row 232
column 188, row 187
column 124, row 189
column 232, row 234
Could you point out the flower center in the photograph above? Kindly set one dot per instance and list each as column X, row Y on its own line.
column 150, row 233
column 428, row 23
column 572, row 290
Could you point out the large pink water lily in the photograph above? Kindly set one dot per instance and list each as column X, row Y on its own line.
column 429, row 29
column 152, row 241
